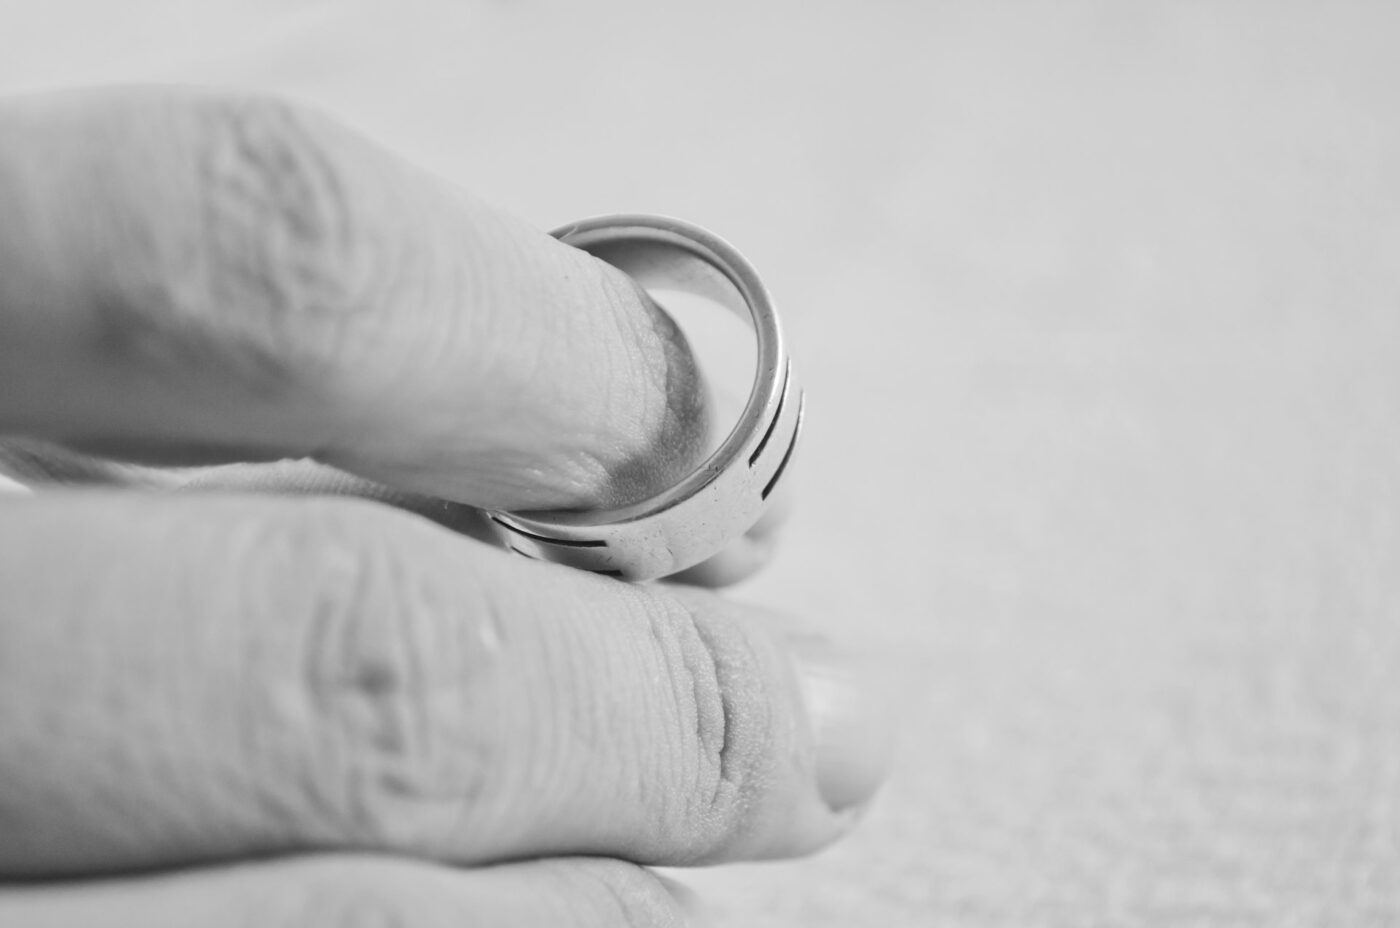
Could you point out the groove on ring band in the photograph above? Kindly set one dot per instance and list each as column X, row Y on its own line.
column 777, row 413
column 563, row 542
column 787, row 455
column 600, row 572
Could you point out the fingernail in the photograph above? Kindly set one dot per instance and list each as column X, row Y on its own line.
column 852, row 728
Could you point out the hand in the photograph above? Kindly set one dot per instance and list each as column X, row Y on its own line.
column 310, row 706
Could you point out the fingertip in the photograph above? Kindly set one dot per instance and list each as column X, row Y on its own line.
column 676, row 427
column 745, row 557
column 807, row 736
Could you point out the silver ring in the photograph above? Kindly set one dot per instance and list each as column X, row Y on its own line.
column 721, row 499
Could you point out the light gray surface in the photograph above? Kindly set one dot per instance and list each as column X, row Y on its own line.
column 1099, row 310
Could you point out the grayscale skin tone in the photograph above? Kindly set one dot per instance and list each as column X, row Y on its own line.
column 269, row 691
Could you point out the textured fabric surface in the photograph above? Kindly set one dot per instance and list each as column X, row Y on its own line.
column 1098, row 306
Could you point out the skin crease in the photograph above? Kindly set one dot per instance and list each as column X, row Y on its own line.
column 230, row 675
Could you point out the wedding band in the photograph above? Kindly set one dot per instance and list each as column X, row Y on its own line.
column 721, row 499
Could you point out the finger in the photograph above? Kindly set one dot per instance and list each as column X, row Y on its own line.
column 33, row 463
column 223, row 677
column 744, row 557
column 195, row 277
column 332, row 892
column 26, row 463
column 40, row 463
column 306, row 478
column 749, row 553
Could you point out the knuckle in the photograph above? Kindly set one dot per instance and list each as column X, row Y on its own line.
column 385, row 655
column 718, row 680
column 278, row 239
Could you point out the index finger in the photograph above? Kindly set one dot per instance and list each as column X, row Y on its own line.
column 201, row 277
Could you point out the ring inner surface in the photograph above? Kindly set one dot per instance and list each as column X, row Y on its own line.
column 663, row 259
column 663, row 266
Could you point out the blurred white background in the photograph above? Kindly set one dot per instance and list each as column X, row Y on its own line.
column 1098, row 306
